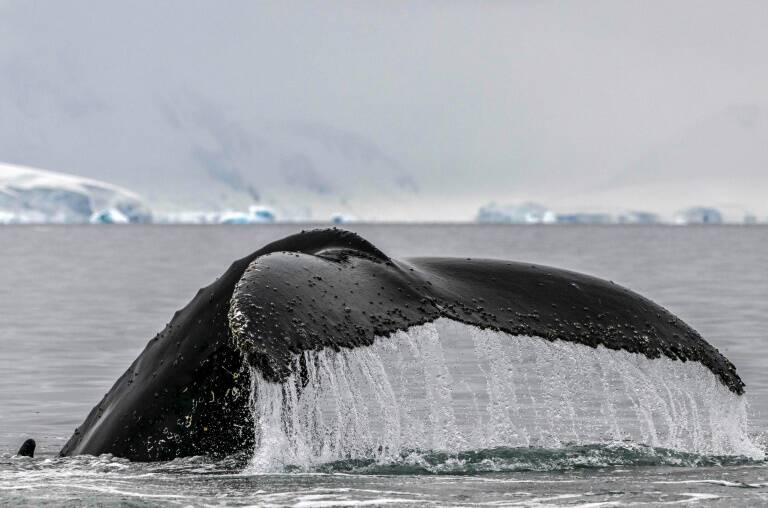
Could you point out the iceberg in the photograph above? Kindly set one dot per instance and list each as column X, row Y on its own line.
column 699, row 215
column 111, row 216
column 341, row 218
column 523, row 213
column 585, row 218
column 256, row 215
column 30, row 195
column 638, row 217
column 261, row 214
column 235, row 218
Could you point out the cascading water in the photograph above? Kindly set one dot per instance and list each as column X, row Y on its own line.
column 450, row 388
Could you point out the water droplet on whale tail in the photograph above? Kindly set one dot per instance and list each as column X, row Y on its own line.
column 27, row 448
column 450, row 387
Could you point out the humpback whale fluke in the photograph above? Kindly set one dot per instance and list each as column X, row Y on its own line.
column 188, row 391
column 27, row 448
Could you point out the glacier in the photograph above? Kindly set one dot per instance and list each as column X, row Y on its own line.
column 31, row 195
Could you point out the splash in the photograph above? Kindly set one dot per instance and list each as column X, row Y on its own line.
column 449, row 388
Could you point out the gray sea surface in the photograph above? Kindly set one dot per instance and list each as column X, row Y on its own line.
column 79, row 303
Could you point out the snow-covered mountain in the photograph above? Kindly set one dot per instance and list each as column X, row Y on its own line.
column 35, row 195
column 190, row 154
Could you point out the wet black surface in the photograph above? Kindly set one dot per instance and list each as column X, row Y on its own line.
column 187, row 392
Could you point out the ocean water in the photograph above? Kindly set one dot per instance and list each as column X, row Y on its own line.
column 453, row 424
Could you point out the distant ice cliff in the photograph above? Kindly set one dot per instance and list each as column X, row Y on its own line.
column 29, row 195
column 535, row 213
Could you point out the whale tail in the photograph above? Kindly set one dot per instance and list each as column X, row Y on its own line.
column 332, row 295
column 27, row 449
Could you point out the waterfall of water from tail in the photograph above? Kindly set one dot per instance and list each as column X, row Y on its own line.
column 448, row 386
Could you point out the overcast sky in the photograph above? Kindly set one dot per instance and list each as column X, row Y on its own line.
column 475, row 101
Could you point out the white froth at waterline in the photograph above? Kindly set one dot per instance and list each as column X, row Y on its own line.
column 447, row 386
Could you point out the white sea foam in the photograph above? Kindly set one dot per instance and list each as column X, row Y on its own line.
column 450, row 387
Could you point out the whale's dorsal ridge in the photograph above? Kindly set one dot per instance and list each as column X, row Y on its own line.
column 317, row 241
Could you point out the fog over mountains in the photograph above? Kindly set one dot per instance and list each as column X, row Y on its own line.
column 721, row 161
column 404, row 111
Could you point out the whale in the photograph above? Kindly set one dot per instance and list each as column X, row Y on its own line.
column 188, row 392
column 27, row 448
